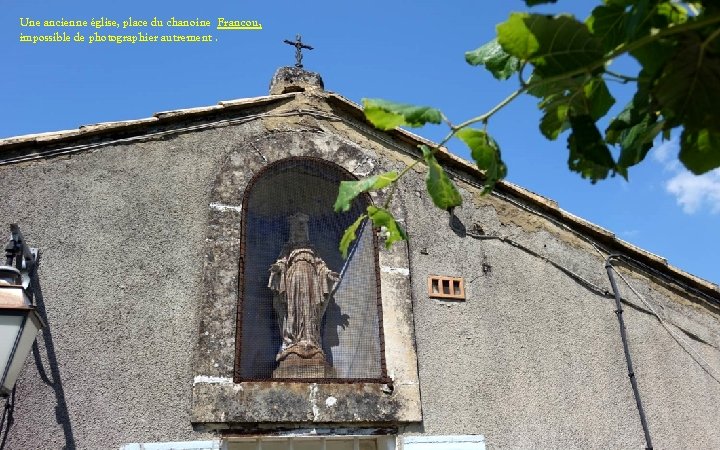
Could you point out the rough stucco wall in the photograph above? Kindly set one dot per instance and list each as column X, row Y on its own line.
column 121, row 230
column 534, row 360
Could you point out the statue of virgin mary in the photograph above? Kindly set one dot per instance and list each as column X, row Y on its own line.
column 301, row 283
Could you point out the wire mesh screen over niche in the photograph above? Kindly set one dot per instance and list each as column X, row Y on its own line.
column 305, row 313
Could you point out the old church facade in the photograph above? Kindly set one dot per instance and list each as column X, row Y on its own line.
column 195, row 297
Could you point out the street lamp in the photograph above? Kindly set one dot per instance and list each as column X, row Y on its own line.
column 19, row 320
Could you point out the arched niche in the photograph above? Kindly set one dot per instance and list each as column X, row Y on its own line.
column 351, row 327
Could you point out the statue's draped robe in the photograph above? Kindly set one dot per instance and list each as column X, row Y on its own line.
column 301, row 287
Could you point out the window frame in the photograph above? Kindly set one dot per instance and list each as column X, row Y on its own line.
column 385, row 442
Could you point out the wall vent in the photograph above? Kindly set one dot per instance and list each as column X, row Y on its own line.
column 450, row 288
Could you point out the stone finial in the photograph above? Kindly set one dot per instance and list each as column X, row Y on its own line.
column 295, row 79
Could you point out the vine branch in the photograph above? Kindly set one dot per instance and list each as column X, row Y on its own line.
column 621, row 77
column 602, row 62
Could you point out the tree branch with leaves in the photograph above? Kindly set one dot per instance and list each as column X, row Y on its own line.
column 677, row 88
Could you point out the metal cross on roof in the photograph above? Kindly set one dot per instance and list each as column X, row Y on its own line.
column 298, row 49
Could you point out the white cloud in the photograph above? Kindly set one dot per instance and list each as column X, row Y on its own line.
column 666, row 154
column 666, row 150
column 692, row 192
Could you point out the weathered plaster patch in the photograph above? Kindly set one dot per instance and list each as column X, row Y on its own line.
column 313, row 400
column 223, row 207
column 396, row 270
column 330, row 402
column 509, row 214
column 210, row 379
column 369, row 167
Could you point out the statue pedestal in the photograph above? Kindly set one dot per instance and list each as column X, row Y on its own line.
column 294, row 366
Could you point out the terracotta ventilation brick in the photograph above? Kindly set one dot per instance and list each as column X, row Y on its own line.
column 452, row 288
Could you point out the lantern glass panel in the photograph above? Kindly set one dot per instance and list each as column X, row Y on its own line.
column 9, row 328
column 27, row 323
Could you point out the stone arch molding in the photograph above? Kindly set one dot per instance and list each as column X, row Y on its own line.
column 216, row 399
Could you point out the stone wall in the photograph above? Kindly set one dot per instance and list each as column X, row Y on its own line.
column 531, row 359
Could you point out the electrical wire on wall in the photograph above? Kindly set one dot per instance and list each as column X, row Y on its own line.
column 628, row 359
column 570, row 273
column 593, row 288
column 684, row 343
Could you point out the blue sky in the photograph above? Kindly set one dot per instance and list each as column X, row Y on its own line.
column 409, row 51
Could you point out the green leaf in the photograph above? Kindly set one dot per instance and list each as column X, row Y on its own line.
column 633, row 113
column 607, row 23
column 539, row 88
column 589, row 156
column 688, row 89
column 495, row 59
column 634, row 129
column 597, row 97
column 636, row 142
column 638, row 21
column 351, row 189
column 350, row 235
column 589, row 98
column 673, row 13
column 700, row 150
column 387, row 115
column 383, row 218
column 647, row 16
column 555, row 119
column 442, row 191
column 516, row 38
column 652, row 57
column 554, row 45
column 486, row 154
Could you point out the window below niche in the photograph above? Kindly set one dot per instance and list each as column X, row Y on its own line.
column 466, row 442
column 311, row 443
